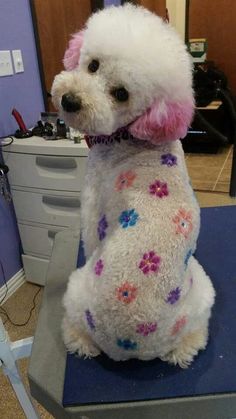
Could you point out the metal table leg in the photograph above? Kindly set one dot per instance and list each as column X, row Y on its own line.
column 9, row 353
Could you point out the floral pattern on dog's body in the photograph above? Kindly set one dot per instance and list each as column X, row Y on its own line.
column 146, row 280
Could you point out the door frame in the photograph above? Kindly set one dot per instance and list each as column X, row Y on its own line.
column 95, row 5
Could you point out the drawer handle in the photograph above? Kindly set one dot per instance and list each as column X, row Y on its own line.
column 56, row 162
column 52, row 233
column 61, row 201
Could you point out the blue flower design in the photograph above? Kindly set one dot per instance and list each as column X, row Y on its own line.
column 128, row 218
column 169, row 159
column 127, row 344
column 102, row 226
column 187, row 257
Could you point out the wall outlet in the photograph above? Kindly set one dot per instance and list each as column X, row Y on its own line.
column 6, row 68
column 18, row 61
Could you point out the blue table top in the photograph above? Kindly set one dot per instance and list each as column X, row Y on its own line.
column 101, row 380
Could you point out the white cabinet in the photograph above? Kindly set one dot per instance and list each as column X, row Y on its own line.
column 46, row 178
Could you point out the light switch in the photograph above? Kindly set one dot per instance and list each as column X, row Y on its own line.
column 6, row 68
column 18, row 60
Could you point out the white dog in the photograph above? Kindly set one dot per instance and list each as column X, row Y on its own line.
column 141, row 294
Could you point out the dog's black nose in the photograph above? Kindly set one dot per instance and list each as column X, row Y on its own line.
column 70, row 103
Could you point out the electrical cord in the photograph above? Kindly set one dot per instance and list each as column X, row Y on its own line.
column 7, row 144
column 4, row 311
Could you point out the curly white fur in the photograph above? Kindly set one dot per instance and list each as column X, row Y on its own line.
column 137, row 50
column 141, row 294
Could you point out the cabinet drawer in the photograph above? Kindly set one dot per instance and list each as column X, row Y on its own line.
column 35, row 269
column 46, row 207
column 46, row 172
column 38, row 240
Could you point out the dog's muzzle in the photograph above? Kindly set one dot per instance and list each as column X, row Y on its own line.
column 70, row 103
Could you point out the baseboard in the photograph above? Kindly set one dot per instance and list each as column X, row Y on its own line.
column 13, row 284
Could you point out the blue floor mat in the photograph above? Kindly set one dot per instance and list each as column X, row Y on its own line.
column 101, row 380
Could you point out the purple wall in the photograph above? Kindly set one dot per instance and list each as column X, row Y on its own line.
column 22, row 90
column 109, row 2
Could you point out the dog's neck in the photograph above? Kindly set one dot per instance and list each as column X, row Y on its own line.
column 117, row 136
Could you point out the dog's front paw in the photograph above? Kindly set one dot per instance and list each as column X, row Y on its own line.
column 77, row 341
column 187, row 349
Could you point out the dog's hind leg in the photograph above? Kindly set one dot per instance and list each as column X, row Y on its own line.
column 78, row 341
column 201, row 299
column 188, row 348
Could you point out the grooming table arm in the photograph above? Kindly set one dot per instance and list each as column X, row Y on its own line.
column 46, row 377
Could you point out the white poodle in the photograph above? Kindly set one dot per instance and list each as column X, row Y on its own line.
column 141, row 294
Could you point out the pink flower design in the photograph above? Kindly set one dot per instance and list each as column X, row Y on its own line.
column 99, row 267
column 146, row 328
column 125, row 180
column 183, row 221
column 150, row 262
column 178, row 326
column 158, row 189
column 126, row 293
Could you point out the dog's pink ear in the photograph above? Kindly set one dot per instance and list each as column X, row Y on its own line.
column 72, row 54
column 164, row 121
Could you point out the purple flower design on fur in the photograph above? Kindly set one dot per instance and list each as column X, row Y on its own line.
column 102, row 226
column 150, row 262
column 173, row 296
column 169, row 159
column 99, row 267
column 146, row 328
column 158, row 189
column 90, row 319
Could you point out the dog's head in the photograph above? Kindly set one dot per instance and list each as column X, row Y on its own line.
column 127, row 68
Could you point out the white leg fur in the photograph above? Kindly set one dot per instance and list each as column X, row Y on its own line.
column 200, row 303
column 78, row 341
column 188, row 348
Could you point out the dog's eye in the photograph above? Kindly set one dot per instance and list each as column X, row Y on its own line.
column 93, row 66
column 120, row 94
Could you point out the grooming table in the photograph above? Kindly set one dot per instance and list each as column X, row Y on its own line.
column 101, row 389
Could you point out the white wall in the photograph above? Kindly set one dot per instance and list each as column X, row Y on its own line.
column 176, row 10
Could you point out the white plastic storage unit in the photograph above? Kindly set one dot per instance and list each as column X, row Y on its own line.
column 46, row 178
